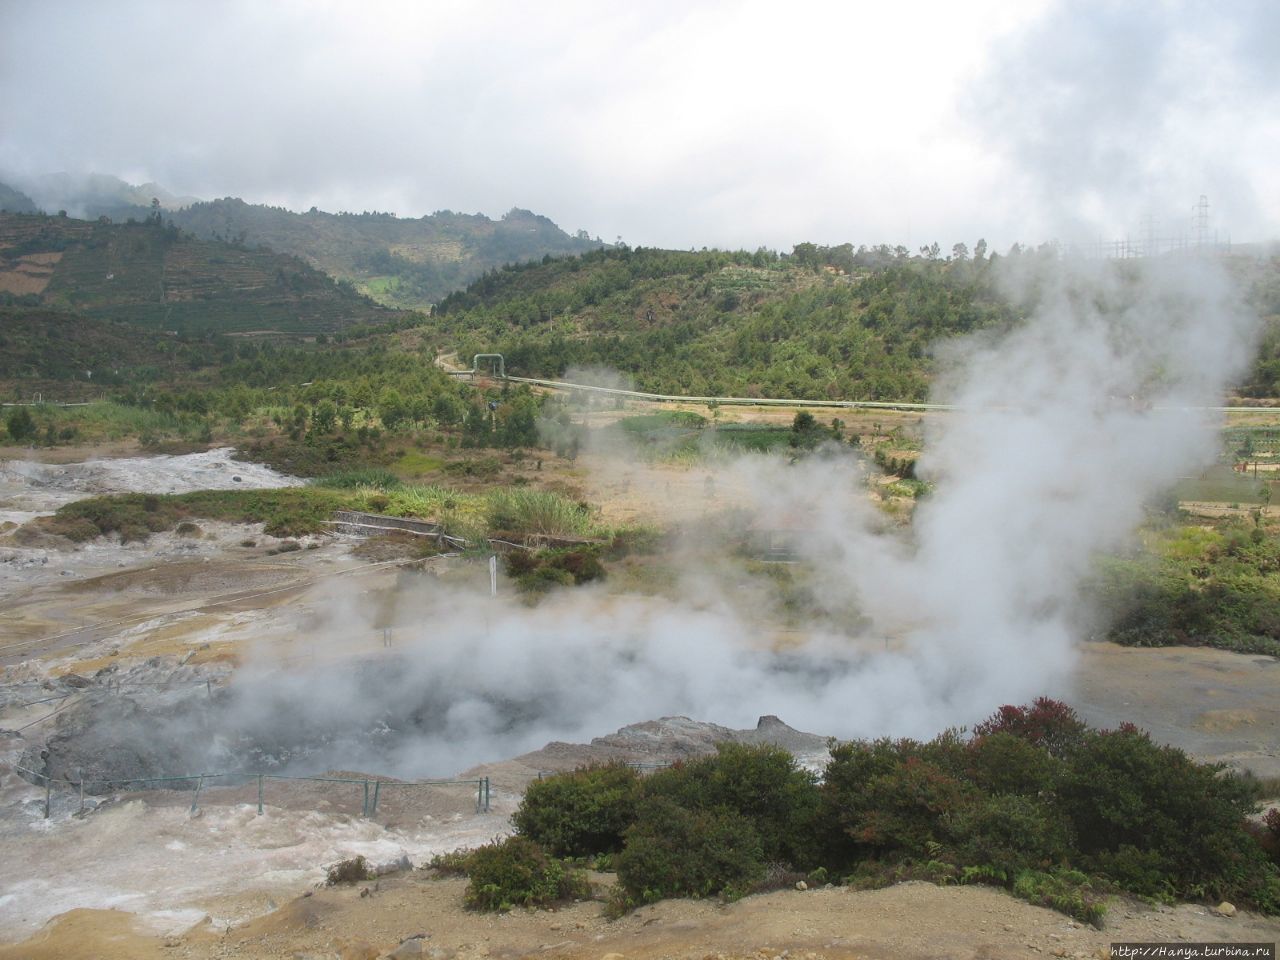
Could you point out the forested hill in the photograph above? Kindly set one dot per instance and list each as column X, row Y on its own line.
column 400, row 262
column 151, row 273
column 812, row 325
column 820, row 323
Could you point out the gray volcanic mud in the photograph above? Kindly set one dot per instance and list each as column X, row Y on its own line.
column 29, row 489
column 159, row 720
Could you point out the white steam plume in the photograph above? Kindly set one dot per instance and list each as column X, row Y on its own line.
column 1065, row 427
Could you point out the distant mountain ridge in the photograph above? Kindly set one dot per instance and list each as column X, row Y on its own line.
column 399, row 261
column 15, row 201
column 89, row 196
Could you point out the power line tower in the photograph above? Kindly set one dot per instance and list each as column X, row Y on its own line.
column 1201, row 221
column 1149, row 225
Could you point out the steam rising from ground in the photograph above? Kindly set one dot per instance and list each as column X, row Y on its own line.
column 1066, row 427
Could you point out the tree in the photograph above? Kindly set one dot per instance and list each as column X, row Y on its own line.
column 20, row 424
column 447, row 409
column 324, row 416
column 804, row 430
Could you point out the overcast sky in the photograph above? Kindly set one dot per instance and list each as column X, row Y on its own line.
column 683, row 124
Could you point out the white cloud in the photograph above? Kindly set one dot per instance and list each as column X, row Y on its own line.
column 732, row 123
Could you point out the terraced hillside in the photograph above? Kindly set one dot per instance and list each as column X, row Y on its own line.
column 152, row 274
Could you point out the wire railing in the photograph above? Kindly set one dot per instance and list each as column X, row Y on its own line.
column 371, row 788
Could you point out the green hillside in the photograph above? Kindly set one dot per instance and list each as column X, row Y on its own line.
column 67, row 357
column 729, row 323
column 400, row 262
column 152, row 274
column 821, row 323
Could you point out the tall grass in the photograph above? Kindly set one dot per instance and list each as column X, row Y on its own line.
column 538, row 512
column 357, row 478
column 107, row 420
column 512, row 511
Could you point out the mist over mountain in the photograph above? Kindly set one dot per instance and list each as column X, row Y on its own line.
column 15, row 201
column 401, row 262
column 92, row 195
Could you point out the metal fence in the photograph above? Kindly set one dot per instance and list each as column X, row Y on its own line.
column 371, row 789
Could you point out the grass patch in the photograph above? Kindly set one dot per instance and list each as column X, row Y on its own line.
column 373, row 478
column 1221, row 485
column 288, row 512
column 106, row 421
column 415, row 463
column 750, row 437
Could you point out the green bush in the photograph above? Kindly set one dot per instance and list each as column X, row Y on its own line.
column 762, row 783
column 539, row 570
column 1008, row 833
column 451, row 864
column 517, row 872
column 1005, row 763
column 20, row 424
column 582, row 813
column 672, row 851
column 1121, row 790
column 891, row 798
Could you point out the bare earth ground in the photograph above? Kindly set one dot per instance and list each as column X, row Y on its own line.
column 135, row 877
column 911, row 921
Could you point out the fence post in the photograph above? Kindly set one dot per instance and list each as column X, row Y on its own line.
column 196, row 794
column 259, row 794
column 486, row 794
column 364, row 808
column 82, row 789
column 377, row 788
column 48, row 790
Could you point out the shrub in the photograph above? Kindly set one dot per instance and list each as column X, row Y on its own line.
column 1120, row 790
column 580, row 814
column 1005, row 763
column 762, row 783
column 349, row 871
column 451, row 864
column 888, row 798
column 20, row 424
column 517, row 872
column 536, row 571
column 1046, row 723
column 672, row 851
column 1008, row 833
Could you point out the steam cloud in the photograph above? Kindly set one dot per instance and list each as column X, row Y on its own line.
column 1065, row 427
